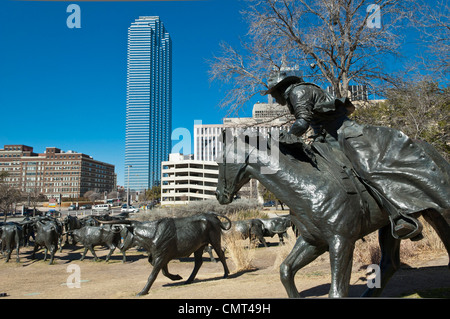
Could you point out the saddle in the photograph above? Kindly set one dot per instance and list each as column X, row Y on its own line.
column 342, row 170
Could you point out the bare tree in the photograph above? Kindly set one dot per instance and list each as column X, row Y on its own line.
column 333, row 42
column 8, row 195
column 113, row 195
column 93, row 196
column 433, row 24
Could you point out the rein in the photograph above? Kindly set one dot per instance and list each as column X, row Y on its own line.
column 243, row 166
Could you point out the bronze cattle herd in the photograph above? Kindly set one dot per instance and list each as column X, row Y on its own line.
column 163, row 239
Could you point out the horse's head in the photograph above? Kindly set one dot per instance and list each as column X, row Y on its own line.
column 232, row 176
column 233, row 162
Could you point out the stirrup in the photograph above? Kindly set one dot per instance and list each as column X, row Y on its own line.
column 411, row 229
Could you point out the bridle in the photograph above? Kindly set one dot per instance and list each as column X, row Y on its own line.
column 241, row 169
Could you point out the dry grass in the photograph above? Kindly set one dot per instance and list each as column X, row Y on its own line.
column 284, row 250
column 431, row 242
column 247, row 214
column 368, row 252
column 237, row 207
column 242, row 252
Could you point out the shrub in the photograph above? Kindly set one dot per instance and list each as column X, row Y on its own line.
column 240, row 206
column 242, row 252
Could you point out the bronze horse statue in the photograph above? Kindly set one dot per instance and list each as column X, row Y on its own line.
column 329, row 216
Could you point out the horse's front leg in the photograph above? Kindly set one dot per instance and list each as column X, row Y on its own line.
column 301, row 255
column 341, row 259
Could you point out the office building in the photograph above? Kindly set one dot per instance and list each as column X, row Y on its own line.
column 55, row 173
column 273, row 112
column 355, row 92
column 207, row 141
column 359, row 95
column 149, row 102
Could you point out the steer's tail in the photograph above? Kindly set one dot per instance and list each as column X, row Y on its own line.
column 227, row 227
column 18, row 235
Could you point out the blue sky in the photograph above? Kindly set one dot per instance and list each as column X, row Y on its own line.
column 66, row 88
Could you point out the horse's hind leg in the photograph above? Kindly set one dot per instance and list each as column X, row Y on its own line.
column 390, row 260
column 440, row 225
column 301, row 255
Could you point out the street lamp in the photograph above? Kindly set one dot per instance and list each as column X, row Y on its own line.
column 128, row 186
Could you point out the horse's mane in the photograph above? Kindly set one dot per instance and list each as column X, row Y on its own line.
column 294, row 147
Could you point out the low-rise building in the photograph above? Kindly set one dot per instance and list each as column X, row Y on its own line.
column 185, row 180
column 55, row 173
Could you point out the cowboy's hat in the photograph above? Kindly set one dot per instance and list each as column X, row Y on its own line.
column 281, row 78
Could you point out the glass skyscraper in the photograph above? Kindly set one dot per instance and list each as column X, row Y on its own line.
column 149, row 102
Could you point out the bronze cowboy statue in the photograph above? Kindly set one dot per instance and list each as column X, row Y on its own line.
column 351, row 181
column 402, row 176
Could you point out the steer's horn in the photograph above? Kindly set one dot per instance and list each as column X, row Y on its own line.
column 126, row 222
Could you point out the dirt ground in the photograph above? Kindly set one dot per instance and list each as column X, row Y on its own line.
column 34, row 279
